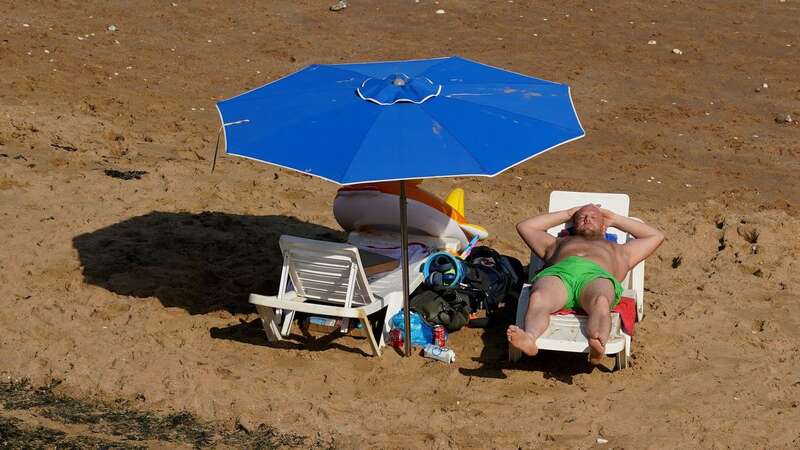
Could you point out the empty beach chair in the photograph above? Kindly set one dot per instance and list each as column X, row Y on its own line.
column 328, row 279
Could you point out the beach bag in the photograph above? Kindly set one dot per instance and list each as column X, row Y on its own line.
column 491, row 280
column 447, row 307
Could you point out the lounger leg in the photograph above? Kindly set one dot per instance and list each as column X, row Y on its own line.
column 268, row 321
column 288, row 320
column 379, row 326
column 376, row 351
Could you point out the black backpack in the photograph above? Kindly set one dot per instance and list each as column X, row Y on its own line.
column 491, row 280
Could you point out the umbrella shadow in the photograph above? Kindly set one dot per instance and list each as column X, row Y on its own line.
column 252, row 333
column 560, row 366
column 199, row 262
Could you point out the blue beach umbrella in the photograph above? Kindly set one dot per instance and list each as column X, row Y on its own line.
column 399, row 120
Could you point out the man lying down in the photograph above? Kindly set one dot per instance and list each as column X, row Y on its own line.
column 582, row 270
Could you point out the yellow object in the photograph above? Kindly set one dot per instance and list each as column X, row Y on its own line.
column 456, row 200
column 474, row 230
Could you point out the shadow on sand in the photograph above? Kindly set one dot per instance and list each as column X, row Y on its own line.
column 560, row 366
column 252, row 333
column 199, row 262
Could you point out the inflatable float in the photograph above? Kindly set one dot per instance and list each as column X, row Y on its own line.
column 376, row 206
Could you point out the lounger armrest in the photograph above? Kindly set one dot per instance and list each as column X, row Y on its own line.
column 300, row 305
column 265, row 300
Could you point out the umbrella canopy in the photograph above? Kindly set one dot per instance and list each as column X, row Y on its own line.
column 399, row 120
column 356, row 123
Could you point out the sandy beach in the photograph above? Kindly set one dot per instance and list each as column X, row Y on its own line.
column 126, row 264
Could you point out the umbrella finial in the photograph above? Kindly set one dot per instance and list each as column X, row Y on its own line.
column 398, row 88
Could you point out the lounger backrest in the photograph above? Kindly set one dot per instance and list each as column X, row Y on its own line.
column 560, row 200
column 617, row 203
column 325, row 271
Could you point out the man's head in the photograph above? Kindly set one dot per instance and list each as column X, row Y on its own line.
column 589, row 222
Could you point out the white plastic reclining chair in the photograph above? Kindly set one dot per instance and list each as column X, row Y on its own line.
column 567, row 333
column 328, row 279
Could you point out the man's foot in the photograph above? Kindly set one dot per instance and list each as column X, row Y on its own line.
column 596, row 351
column 522, row 340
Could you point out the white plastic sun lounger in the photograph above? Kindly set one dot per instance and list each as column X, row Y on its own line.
column 328, row 279
column 567, row 333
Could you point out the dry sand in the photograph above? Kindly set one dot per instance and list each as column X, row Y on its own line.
column 137, row 289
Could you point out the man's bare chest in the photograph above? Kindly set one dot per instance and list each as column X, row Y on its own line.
column 601, row 252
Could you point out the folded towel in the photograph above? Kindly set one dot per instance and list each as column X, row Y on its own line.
column 626, row 310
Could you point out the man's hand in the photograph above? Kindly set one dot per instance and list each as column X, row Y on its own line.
column 609, row 217
column 534, row 230
column 571, row 211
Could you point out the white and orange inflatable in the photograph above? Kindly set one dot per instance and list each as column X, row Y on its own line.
column 376, row 206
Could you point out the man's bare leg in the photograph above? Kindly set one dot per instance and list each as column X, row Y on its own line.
column 596, row 300
column 548, row 295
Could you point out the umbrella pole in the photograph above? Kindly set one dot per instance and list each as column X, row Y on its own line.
column 404, row 251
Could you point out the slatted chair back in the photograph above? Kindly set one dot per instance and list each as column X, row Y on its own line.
column 329, row 272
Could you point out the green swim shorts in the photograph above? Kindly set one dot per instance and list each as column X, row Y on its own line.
column 576, row 272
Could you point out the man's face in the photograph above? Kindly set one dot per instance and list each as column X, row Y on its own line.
column 589, row 222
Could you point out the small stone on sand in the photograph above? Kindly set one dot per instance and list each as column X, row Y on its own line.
column 338, row 6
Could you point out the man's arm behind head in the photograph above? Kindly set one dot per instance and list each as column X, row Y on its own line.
column 534, row 230
column 648, row 239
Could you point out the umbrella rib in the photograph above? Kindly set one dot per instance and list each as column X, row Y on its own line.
column 548, row 84
column 444, row 60
column 335, row 67
column 543, row 81
column 284, row 78
column 538, row 154
column 254, row 93
column 258, row 96
column 391, row 61
column 505, row 111
column 507, row 71
column 294, row 122
column 428, row 113
column 360, row 145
